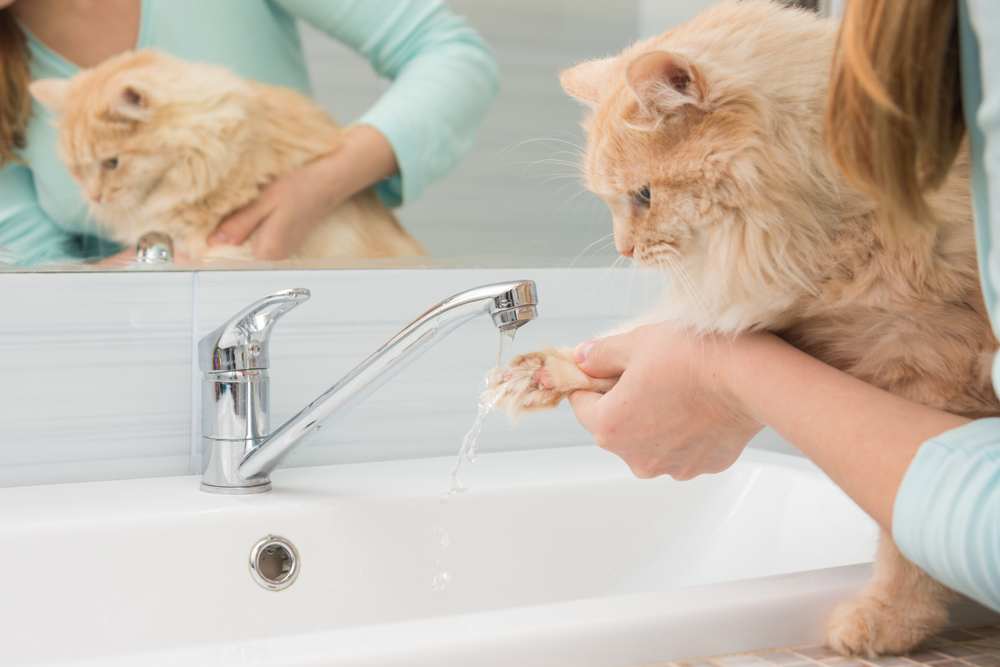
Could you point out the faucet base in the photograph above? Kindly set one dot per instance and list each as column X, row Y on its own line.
column 236, row 490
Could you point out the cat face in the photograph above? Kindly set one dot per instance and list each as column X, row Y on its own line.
column 708, row 138
column 651, row 170
column 128, row 137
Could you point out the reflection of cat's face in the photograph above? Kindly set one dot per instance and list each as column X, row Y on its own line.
column 139, row 133
column 111, row 160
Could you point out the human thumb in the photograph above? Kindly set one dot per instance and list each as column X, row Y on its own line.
column 603, row 357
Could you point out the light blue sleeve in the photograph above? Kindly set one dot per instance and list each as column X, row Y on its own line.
column 27, row 235
column 444, row 79
column 947, row 513
column 946, row 516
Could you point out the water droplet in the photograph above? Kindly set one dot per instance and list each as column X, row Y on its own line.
column 444, row 537
column 440, row 581
column 445, row 497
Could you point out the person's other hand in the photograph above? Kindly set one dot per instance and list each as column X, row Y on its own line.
column 282, row 215
column 286, row 210
column 672, row 411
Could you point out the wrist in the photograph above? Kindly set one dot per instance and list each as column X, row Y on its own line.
column 362, row 160
column 739, row 369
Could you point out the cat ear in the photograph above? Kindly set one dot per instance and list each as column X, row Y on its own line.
column 584, row 82
column 664, row 80
column 131, row 102
column 50, row 92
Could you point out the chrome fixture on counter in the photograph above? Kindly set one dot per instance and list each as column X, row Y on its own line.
column 154, row 248
column 239, row 449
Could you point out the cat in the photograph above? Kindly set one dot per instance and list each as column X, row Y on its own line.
column 163, row 145
column 707, row 145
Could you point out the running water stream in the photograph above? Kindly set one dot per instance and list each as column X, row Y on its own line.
column 490, row 392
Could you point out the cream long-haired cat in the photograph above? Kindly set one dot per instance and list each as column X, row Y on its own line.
column 163, row 145
column 707, row 145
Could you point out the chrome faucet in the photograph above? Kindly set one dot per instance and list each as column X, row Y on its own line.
column 238, row 448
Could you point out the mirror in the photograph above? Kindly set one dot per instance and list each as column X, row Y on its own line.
column 517, row 198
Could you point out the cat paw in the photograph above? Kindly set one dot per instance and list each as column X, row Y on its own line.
column 541, row 380
column 870, row 627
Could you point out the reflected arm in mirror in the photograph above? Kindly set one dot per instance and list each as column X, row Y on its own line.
column 286, row 210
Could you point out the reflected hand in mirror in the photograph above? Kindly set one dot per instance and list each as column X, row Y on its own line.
column 280, row 219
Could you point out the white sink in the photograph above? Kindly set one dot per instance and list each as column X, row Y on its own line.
column 553, row 556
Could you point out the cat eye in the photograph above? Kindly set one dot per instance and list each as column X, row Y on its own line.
column 109, row 164
column 642, row 195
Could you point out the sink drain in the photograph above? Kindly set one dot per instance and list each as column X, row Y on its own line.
column 274, row 563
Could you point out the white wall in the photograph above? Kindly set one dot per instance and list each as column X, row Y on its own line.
column 657, row 16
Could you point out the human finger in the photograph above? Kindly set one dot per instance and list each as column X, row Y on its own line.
column 584, row 404
column 604, row 357
column 235, row 229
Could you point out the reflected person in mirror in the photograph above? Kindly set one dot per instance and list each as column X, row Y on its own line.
column 444, row 79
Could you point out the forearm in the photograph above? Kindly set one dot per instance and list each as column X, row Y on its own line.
column 864, row 438
column 364, row 159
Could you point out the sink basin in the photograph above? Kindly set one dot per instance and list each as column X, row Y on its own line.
column 555, row 556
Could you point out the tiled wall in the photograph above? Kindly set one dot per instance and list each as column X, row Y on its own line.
column 95, row 376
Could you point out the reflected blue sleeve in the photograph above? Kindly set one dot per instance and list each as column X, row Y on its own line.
column 27, row 235
column 445, row 78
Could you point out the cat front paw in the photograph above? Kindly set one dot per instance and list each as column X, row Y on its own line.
column 541, row 380
column 869, row 627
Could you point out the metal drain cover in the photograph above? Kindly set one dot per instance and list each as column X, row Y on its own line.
column 274, row 563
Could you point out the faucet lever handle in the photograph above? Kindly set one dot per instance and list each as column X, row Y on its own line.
column 242, row 342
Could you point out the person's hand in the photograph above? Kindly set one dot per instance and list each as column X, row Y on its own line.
column 672, row 412
column 282, row 215
column 286, row 210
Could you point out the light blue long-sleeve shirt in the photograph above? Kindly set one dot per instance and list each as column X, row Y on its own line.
column 444, row 80
column 946, row 517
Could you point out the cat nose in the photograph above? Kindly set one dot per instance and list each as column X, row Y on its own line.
column 628, row 252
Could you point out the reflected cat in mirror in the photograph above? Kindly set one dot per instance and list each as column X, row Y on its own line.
column 158, row 144
column 707, row 144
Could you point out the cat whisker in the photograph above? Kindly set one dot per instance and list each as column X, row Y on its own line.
column 591, row 245
column 504, row 152
column 583, row 190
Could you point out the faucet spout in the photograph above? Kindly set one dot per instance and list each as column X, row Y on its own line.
column 509, row 304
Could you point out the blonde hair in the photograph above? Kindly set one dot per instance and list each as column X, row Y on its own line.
column 894, row 119
column 15, row 101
